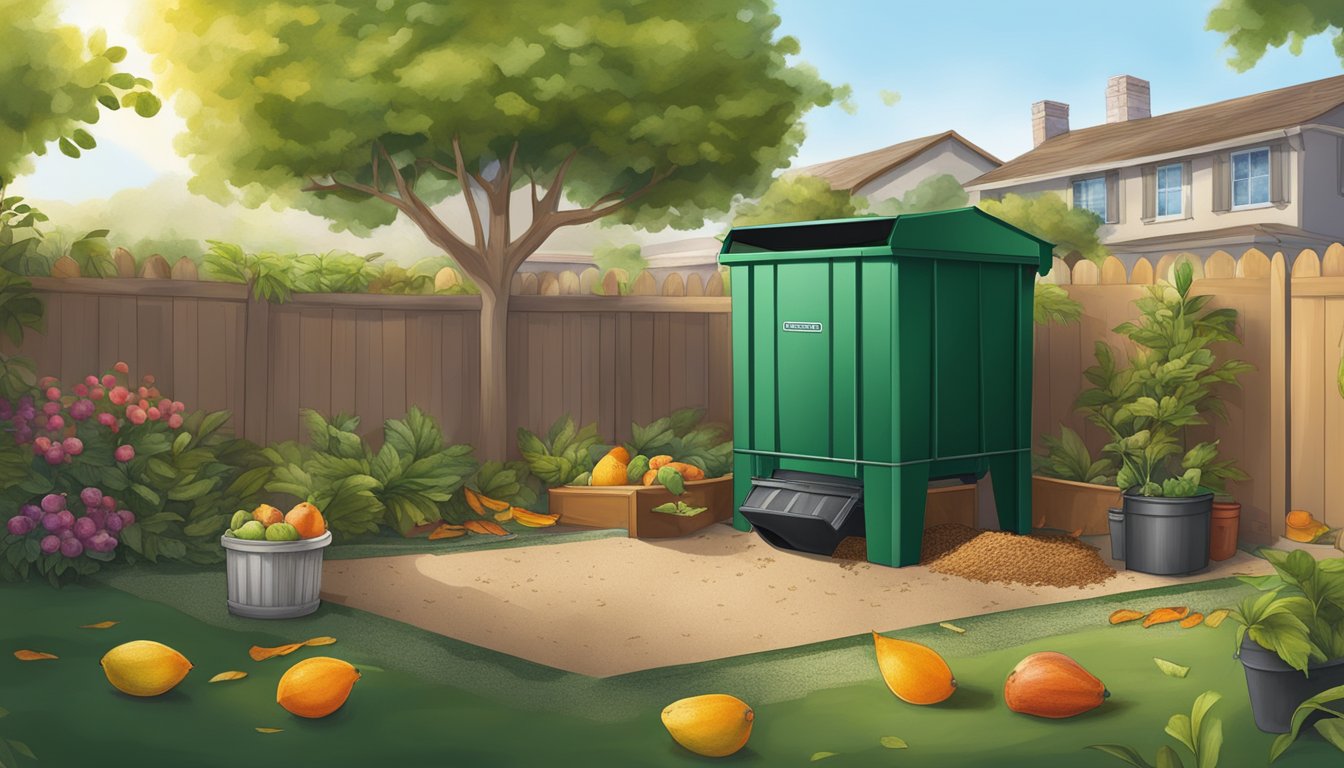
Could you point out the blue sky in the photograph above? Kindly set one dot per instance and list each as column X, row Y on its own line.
column 969, row 65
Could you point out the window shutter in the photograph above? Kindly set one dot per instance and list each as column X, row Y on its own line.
column 1149, row 173
column 1112, row 197
column 1187, row 195
column 1222, row 183
column 1278, row 173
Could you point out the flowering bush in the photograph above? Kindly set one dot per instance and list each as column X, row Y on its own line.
column 125, row 451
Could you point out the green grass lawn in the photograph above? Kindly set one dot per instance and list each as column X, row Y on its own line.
column 426, row 700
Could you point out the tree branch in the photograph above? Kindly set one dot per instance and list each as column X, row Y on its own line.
column 465, row 179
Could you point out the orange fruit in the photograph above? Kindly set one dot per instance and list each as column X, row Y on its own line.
column 268, row 515
column 316, row 687
column 610, row 470
column 620, row 453
column 307, row 520
column 914, row 672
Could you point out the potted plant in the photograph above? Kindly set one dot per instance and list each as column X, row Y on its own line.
column 1145, row 408
column 1291, row 637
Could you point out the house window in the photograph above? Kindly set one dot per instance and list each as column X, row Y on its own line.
column 1170, row 190
column 1090, row 194
column 1250, row 177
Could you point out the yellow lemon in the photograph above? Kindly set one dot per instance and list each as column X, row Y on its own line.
column 144, row 668
column 713, row 725
column 316, row 687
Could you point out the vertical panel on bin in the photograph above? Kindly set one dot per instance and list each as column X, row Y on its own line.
column 877, row 369
column 744, row 383
column 914, row 378
column 804, row 336
column 998, row 398
column 764, row 364
column 956, row 357
column 844, row 403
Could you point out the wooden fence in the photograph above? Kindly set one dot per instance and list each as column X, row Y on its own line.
column 610, row 359
column 1285, row 423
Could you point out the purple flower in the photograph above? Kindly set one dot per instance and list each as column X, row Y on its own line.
column 91, row 497
column 20, row 525
column 55, row 454
column 51, row 409
column 71, row 548
column 73, row 445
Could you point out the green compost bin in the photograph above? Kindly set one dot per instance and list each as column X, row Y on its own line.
column 871, row 356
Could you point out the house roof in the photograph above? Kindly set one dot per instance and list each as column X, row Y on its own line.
column 852, row 173
column 1174, row 131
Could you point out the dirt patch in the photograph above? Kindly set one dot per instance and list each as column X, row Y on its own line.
column 989, row 556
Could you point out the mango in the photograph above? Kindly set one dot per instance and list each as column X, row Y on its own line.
column 144, row 668
column 713, row 725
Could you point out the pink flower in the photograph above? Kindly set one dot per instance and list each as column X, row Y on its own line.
column 41, row 444
column 154, row 392
column 109, row 381
column 96, row 393
column 143, row 392
column 153, row 413
column 178, row 407
column 119, row 395
column 55, row 423
column 73, row 446
column 91, row 381
column 149, row 379
column 46, row 381
column 82, row 390
column 175, row 420
column 144, row 404
column 107, row 419
column 121, row 367
column 165, row 405
column 53, row 393
column 124, row 452
column 136, row 415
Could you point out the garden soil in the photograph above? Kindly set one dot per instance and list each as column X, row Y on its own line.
column 616, row 605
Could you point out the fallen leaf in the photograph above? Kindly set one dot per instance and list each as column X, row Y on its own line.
column 22, row 749
column 261, row 654
column 1170, row 668
column 1038, row 522
column 1192, row 620
column 316, row 641
column 486, row 527
column 270, row 730
column 952, row 627
column 891, row 742
column 504, row 516
column 226, row 676
column 100, row 625
column 33, row 656
column 822, row 755
column 1164, row 615
column 1216, row 617
column 446, row 531
column 1125, row 614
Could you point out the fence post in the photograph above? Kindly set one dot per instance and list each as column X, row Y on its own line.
column 256, row 376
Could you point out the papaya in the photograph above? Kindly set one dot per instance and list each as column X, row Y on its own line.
column 649, row 477
column 1050, row 684
column 620, row 454
column 657, row 462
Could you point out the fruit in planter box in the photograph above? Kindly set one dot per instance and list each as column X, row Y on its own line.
column 620, row 454
column 307, row 520
column 610, row 470
column 659, row 461
column 268, row 515
column 634, row 471
column 282, row 532
column 252, row 530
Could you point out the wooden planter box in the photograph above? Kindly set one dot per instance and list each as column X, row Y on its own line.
column 1069, row 506
column 631, row 507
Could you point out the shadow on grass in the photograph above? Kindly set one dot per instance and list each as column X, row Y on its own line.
column 968, row 698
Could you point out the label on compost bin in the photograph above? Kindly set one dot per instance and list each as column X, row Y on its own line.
column 803, row 327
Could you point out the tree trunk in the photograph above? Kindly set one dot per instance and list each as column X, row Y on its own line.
column 492, row 442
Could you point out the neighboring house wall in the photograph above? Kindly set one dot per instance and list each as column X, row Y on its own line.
column 1323, row 178
column 947, row 156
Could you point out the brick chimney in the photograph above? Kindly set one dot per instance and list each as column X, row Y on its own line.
column 1127, row 98
column 1048, row 120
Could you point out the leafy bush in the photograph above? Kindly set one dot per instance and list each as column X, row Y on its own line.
column 20, row 238
column 684, row 438
column 1067, row 458
column 1053, row 304
column 20, row 310
column 405, row 483
column 1300, row 615
column 565, row 454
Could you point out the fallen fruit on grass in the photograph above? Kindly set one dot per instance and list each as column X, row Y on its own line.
column 316, row 687
column 1192, row 620
column 713, row 725
column 307, row 520
column 1165, row 615
column 610, row 470
column 1125, row 614
column 144, row 668
column 252, row 530
column 914, row 672
column 1050, row 684
column 268, row 515
column 534, row 519
column 1216, row 617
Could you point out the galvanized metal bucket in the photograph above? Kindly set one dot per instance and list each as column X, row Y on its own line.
column 274, row 579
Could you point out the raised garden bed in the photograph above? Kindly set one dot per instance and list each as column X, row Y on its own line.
column 631, row 507
column 1069, row 506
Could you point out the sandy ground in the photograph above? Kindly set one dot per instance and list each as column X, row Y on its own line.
column 618, row 605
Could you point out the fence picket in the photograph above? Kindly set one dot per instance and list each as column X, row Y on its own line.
column 1220, row 265
column 673, row 286
column 1307, row 264
column 1113, row 272
column 1142, row 273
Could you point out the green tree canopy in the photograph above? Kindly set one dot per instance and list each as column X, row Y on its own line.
column 1048, row 217
column 55, row 84
column 798, row 197
column 654, row 113
column 935, row 193
column 1252, row 27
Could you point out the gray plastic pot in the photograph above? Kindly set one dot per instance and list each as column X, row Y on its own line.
column 1115, row 519
column 1277, row 689
column 1167, row 536
column 274, row 579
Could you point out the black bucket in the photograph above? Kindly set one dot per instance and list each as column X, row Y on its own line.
column 1277, row 689
column 1167, row 536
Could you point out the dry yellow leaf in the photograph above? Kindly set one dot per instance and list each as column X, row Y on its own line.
column 270, row 730
column 1164, row 615
column 1076, row 533
column 320, row 641
column 226, row 676
column 504, row 516
column 1215, row 617
column 100, row 625
column 952, row 627
column 1125, row 614
column 261, row 654
column 447, row 531
column 34, row 656
column 1192, row 620
column 486, row 527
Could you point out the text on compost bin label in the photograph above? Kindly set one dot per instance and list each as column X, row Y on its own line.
column 803, row 327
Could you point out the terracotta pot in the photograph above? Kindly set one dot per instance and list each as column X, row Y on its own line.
column 1223, row 527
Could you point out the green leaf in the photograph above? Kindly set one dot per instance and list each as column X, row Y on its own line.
column 122, row 80
column 147, row 105
column 192, row 491
column 1210, row 742
column 822, row 755
column 67, row 148
column 109, row 101
column 1315, row 703
column 892, row 742
column 1332, row 730
column 82, row 138
column 1124, row 753
column 1167, row 758
column 1171, row 669
column 146, row 493
column 115, row 54
column 1180, row 729
column 98, row 42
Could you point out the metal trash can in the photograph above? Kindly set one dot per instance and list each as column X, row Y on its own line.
column 1115, row 519
column 274, row 579
column 885, row 352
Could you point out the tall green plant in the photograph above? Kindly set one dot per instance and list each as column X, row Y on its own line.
column 1199, row 732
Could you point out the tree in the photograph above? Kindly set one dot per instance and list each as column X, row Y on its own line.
column 935, row 193
column 797, row 197
column 652, row 114
column 628, row 258
column 1252, row 27
column 1047, row 216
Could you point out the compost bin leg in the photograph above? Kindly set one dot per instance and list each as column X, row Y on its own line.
column 1010, row 474
column 893, row 512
